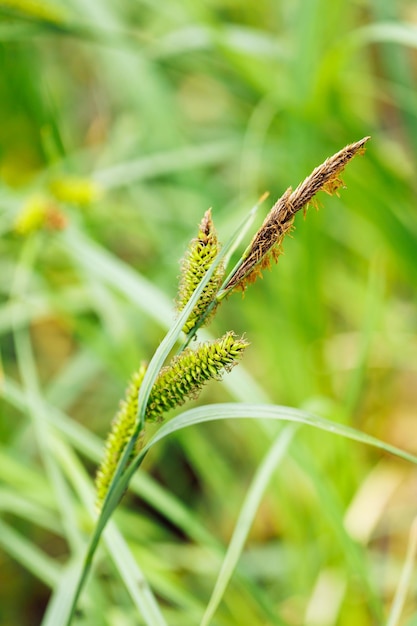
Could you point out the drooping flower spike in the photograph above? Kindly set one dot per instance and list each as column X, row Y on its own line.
column 181, row 380
column 267, row 241
column 188, row 372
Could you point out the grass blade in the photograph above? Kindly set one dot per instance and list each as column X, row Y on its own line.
column 405, row 580
column 246, row 517
column 232, row 410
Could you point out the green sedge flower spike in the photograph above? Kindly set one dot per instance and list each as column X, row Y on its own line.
column 200, row 255
column 181, row 380
column 188, row 372
column 119, row 436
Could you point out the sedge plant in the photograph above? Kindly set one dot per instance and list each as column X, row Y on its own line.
column 202, row 275
column 169, row 380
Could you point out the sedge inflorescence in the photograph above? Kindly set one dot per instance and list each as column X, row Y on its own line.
column 121, row 431
column 181, row 380
column 187, row 373
column 267, row 242
column 198, row 259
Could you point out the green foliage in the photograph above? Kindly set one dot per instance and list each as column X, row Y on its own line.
column 121, row 124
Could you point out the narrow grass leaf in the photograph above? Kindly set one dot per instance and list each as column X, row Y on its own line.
column 91, row 447
column 247, row 514
column 111, row 270
column 18, row 504
column 232, row 410
column 153, row 165
column 133, row 578
column 29, row 556
column 35, row 406
column 60, row 603
column 129, row 571
column 386, row 32
column 405, row 580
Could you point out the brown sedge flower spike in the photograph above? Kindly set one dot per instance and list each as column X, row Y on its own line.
column 200, row 255
column 267, row 241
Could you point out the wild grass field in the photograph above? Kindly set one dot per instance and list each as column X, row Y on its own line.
column 285, row 495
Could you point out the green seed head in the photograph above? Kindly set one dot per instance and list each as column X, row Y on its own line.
column 187, row 373
column 200, row 255
column 119, row 436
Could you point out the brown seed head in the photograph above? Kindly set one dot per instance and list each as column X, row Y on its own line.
column 279, row 221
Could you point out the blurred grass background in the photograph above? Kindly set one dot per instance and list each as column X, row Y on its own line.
column 127, row 120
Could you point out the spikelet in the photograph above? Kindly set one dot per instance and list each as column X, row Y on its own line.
column 181, row 380
column 119, row 436
column 267, row 241
column 200, row 255
column 187, row 373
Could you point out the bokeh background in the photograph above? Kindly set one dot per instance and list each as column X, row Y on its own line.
column 121, row 123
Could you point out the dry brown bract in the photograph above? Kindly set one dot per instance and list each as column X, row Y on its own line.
column 279, row 221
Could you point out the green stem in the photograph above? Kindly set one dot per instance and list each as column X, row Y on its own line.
column 124, row 470
column 123, row 473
